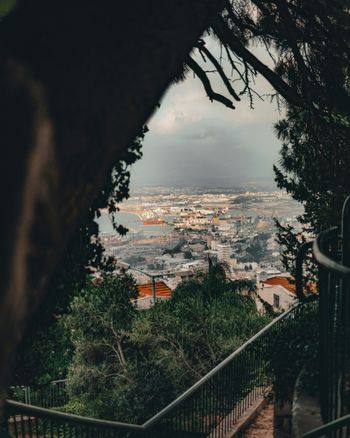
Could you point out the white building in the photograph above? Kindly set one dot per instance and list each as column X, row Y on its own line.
column 214, row 245
column 224, row 252
column 264, row 274
column 277, row 291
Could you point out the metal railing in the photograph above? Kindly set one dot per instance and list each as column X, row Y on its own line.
column 213, row 405
column 332, row 253
column 339, row 428
column 52, row 395
column 209, row 408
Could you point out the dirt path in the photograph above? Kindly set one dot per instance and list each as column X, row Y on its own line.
column 262, row 427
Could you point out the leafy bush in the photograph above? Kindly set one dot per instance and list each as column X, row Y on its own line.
column 129, row 364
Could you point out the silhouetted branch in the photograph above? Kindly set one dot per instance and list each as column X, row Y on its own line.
column 206, row 84
column 214, row 61
column 233, row 64
column 226, row 36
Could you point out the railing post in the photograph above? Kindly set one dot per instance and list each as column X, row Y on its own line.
column 345, row 230
column 26, row 399
column 154, row 294
column 333, row 256
column 345, row 309
column 329, row 301
column 210, row 406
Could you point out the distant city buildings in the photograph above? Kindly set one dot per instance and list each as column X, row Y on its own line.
column 175, row 230
column 224, row 253
column 278, row 291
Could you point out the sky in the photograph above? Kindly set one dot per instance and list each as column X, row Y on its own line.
column 195, row 142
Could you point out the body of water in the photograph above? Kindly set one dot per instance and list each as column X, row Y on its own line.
column 133, row 223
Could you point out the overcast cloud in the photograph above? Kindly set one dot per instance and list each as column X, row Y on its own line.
column 195, row 142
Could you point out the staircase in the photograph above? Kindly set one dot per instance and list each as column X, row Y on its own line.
column 210, row 408
column 215, row 404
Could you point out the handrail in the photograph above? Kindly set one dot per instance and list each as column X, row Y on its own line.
column 62, row 416
column 40, row 385
column 299, row 288
column 323, row 259
column 329, row 427
column 331, row 252
column 215, row 370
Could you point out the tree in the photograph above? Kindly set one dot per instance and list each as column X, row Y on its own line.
column 303, row 42
column 129, row 364
column 257, row 247
column 70, row 106
column 45, row 351
column 99, row 323
column 314, row 164
column 70, row 109
column 187, row 254
column 196, row 334
column 313, row 168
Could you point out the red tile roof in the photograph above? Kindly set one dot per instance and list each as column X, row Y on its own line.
column 281, row 281
column 162, row 290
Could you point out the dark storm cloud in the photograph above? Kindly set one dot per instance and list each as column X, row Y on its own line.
column 195, row 142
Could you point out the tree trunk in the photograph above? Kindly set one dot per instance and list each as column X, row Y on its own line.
column 77, row 82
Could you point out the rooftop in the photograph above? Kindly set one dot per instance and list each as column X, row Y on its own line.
column 145, row 290
column 281, row 281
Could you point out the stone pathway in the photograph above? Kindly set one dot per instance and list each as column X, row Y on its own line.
column 262, row 427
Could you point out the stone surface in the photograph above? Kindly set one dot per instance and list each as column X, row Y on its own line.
column 306, row 414
column 262, row 426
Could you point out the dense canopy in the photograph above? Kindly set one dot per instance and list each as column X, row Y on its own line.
column 78, row 81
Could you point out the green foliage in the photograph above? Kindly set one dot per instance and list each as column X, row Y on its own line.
column 314, row 164
column 51, row 355
column 6, row 6
column 294, row 346
column 291, row 241
column 100, row 320
column 46, row 350
column 211, row 284
column 102, row 307
column 189, row 335
column 73, row 407
column 313, row 168
column 257, row 248
column 128, row 364
column 116, row 188
column 187, row 254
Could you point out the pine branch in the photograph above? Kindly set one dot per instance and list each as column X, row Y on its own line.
column 206, row 84
column 214, row 61
column 227, row 37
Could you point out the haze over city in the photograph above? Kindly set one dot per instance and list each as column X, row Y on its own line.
column 193, row 141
